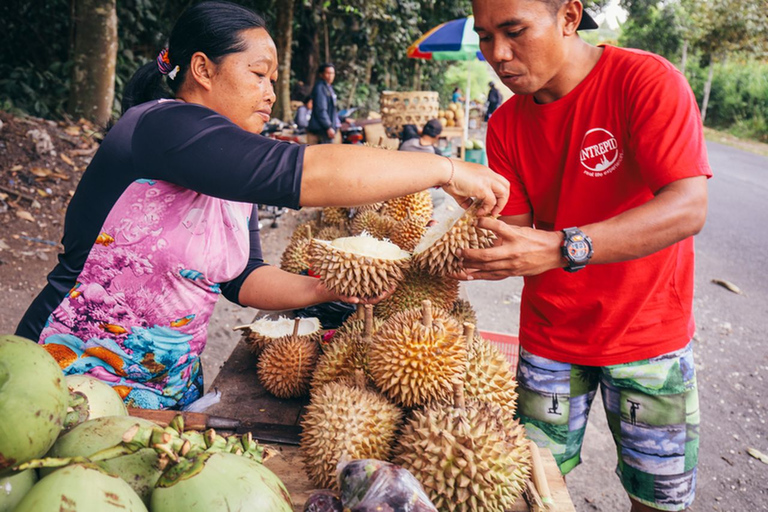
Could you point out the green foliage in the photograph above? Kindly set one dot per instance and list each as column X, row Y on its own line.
column 456, row 76
column 653, row 27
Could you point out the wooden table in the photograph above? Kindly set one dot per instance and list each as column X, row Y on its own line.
column 245, row 399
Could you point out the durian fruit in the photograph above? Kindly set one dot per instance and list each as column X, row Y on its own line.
column 306, row 229
column 333, row 216
column 463, row 312
column 344, row 420
column 295, row 258
column 373, row 207
column 407, row 233
column 467, row 456
column 489, row 376
column 265, row 331
column 285, row 367
column 358, row 266
column 332, row 232
column 355, row 325
column 375, row 224
column 417, row 356
column 346, row 355
column 417, row 205
column 416, row 287
column 436, row 252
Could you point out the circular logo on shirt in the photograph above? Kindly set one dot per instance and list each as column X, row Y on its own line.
column 600, row 153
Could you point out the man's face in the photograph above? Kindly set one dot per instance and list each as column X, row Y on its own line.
column 522, row 41
column 328, row 75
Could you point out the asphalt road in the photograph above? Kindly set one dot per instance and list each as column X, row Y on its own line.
column 731, row 348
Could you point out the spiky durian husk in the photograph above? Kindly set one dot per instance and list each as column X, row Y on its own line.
column 467, row 459
column 301, row 231
column 345, row 420
column 373, row 207
column 463, row 312
column 332, row 232
column 408, row 232
column 355, row 326
column 258, row 339
column 377, row 225
column 295, row 258
column 489, row 377
column 333, row 216
column 340, row 360
column 413, row 364
column 417, row 205
column 416, row 287
column 440, row 257
column 352, row 274
column 285, row 367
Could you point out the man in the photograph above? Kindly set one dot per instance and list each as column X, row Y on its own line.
column 604, row 151
column 494, row 100
column 426, row 141
column 324, row 121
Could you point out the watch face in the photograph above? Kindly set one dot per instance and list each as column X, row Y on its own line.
column 578, row 249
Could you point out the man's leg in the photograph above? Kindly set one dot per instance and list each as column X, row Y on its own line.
column 553, row 404
column 653, row 411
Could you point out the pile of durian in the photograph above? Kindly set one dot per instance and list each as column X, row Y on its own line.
column 409, row 380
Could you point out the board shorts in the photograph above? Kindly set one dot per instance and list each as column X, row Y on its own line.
column 652, row 408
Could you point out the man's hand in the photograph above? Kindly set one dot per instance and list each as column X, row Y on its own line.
column 331, row 133
column 518, row 251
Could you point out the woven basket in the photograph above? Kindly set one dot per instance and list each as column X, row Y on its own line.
column 399, row 108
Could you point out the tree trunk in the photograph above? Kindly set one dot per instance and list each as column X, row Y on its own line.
column 94, row 58
column 417, row 75
column 707, row 89
column 684, row 58
column 284, row 40
column 327, row 38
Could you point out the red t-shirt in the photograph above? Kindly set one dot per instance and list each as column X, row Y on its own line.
column 629, row 128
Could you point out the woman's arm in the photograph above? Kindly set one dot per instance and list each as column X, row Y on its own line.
column 339, row 175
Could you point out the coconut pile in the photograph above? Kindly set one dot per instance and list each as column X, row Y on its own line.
column 68, row 444
column 410, row 380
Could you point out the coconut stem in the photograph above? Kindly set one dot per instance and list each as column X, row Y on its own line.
column 368, row 329
column 426, row 313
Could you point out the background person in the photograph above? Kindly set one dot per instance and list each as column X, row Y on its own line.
column 324, row 122
column 494, row 100
column 165, row 221
column 426, row 142
column 303, row 114
column 604, row 152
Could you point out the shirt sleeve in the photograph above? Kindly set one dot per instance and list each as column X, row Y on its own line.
column 231, row 289
column 199, row 149
column 499, row 162
column 665, row 129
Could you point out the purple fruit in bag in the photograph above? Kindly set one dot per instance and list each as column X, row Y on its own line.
column 355, row 479
column 323, row 501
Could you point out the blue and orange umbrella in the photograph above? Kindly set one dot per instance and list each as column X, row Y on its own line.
column 452, row 40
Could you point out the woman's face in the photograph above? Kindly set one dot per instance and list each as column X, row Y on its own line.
column 242, row 86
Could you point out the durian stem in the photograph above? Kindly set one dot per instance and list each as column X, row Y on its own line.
column 296, row 323
column 469, row 333
column 309, row 231
column 359, row 379
column 458, row 395
column 360, row 312
column 368, row 329
column 426, row 311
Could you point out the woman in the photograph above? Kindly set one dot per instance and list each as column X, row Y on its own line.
column 164, row 219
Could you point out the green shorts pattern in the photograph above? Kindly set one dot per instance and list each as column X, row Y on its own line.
column 652, row 408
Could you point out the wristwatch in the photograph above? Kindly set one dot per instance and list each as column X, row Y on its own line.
column 576, row 249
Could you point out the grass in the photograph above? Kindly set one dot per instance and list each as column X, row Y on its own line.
column 728, row 139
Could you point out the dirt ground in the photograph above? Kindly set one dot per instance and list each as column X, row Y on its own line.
column 36, row 182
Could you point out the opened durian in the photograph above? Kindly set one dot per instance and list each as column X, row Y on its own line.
column 333, row 216
column 489, row 376
column 417, row 356
column 415, row 205
column 417, row 286
column 436, row 252
column 375, row 224
column 285, row 366
column 264, row 331
column 407, row 233
column 358, row 266
column 345, row 420
column 468, row 456
column 346, row 355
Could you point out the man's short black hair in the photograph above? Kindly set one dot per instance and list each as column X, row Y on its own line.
column 433, row 128
column 324, row 66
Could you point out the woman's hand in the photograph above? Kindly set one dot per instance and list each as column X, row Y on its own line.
column 518, row 251
column 477, row 181
column 333, row 296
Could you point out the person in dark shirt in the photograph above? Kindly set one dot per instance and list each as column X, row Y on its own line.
column 324, row 121
column 303, row 115
column 494, row 100
column 164, row 220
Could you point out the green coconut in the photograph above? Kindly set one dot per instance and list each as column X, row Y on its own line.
column 219, row 481
column 81, row 488
column 92, row 398
column 140, row 469
column 33, row 401
column 14, row 487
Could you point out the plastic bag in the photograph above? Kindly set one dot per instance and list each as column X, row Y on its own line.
column 372, row 485
column 205, row 402
column 330, row 314
column 323, row 501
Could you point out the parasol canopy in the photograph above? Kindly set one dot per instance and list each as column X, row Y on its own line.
column 452, row 40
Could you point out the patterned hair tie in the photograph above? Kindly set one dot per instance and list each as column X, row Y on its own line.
column 164, row 64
